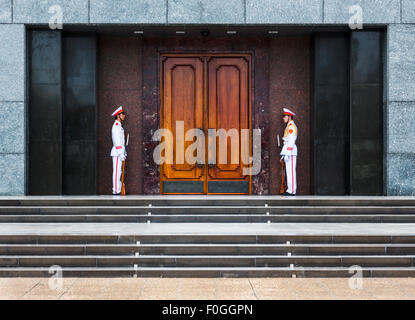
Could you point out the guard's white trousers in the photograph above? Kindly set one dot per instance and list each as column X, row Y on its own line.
column 116, row 174
column 290, row 171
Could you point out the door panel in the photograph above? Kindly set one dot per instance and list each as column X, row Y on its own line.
column 228, row 110
column 182, row 110
column 205, row 92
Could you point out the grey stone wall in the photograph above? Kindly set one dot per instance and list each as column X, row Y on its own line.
column 5, row 11
column 209, row 11
column 374, row 11
column 37, row 11
column 12, row 109
column 398, row 15
column 401, row 109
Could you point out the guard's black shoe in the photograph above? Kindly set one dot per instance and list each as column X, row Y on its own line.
column 116, row 194
column 288, row 194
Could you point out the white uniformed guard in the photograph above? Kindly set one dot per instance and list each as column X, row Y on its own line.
column 289, row 152
column 118, row 152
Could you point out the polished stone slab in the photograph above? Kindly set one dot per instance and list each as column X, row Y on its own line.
column 401, row 127
column 401, row 67
column 47, row 203
column 159, row 201
column 310, row 229
column 43, row 11
column 12, row 62
column 12, row 127
column 5, row 11
column 207, row 197
column 213, row 11
column 207, row 288
column 408, row 11
column 12, row 175
column 128, row 11
column 373, row 11
column 284, row 11
column 401, row 174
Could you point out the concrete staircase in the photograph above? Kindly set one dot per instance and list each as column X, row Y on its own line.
column 207, row 236
column 207, row 210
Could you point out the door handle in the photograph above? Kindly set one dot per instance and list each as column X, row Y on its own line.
column 200, row 162
column 211, row 157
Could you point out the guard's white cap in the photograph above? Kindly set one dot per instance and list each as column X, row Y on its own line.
column 288, row 112
column 118, row 111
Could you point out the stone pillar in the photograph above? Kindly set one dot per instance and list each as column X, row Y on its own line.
column 12, row 109
column 401, row 108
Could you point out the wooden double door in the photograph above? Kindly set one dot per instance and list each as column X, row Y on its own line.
column 206, row 105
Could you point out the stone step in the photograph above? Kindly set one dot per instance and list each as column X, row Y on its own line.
column 164, row 200
column 206, row 261
column 208, row 218
column 207, row 249
column 204, row 239
column 207, row 236
column 205, row 210
column 210, row 272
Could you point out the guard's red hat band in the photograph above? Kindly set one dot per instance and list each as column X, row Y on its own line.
column 121, row 111
column 118, row 111
column 288, row 112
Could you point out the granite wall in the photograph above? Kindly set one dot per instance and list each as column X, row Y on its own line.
column 12, row 107
column 290, row 67
column 397, row 15
column 119, row 74
column 401, row 109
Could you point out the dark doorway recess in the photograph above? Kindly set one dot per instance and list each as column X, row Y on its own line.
column 348, row 113
column 62, row 113
column 333, row 78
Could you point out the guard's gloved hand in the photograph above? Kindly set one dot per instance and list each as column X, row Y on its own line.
column 122, row 157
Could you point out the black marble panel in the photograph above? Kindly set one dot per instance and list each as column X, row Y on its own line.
column 45, row 113
column 331, row 114
column 79, row 115
column 183, row 187
column 366, row 153
column 228, row 187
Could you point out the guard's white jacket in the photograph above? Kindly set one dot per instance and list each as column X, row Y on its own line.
column 290, row 135
column 118, row 140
